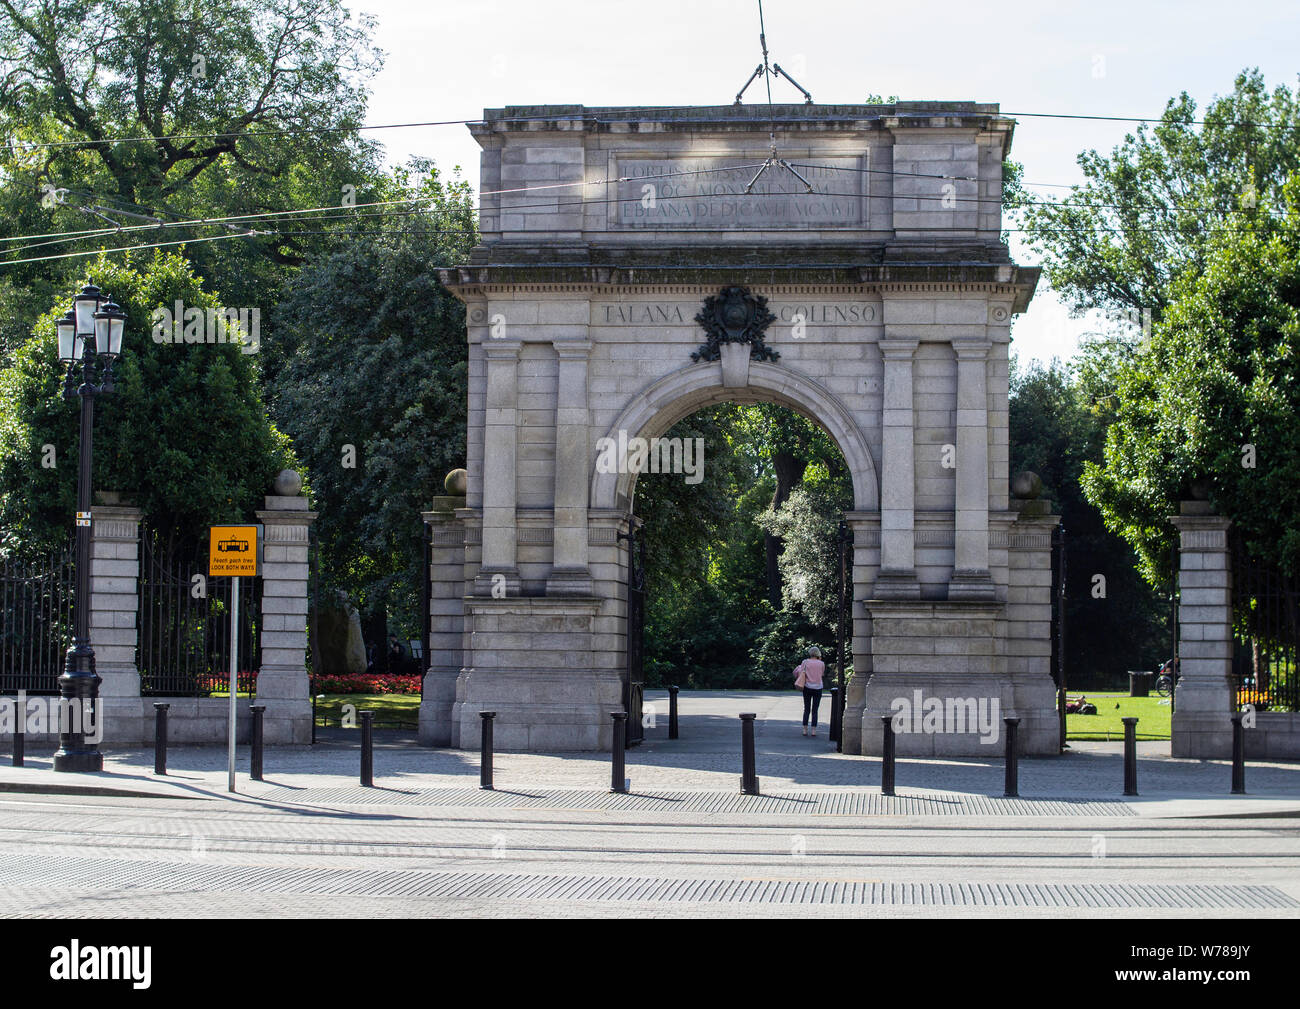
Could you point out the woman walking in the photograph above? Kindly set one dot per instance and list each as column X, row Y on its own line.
column 808, row 675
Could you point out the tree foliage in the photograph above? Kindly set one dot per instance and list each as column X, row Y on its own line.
column 1120, row 622
column 1214, row 396
column 186, row 435
column 808, row 524
column 1149, row 211
column 709, row 619
column 254, row 106
column 378, row 363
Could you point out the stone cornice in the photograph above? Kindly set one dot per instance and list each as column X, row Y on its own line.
column 733, row 118
column 1013, row 283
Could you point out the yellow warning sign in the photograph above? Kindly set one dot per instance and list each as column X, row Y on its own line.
column 232, row 552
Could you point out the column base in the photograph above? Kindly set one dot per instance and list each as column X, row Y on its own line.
column 538, row 711
column 436, row 705
column 569, row 582
column 971, row 585
column 897, row 583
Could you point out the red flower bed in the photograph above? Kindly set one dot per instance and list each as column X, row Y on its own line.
column 221, row 681
column 367, row 683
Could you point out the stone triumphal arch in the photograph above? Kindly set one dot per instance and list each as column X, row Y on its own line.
column 631, row 271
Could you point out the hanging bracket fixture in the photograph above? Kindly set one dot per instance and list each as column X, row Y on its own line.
column 767, row 72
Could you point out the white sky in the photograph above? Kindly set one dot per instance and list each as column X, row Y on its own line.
column 451, row 60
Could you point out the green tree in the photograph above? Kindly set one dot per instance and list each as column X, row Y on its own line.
column 701, row 557
column 254, row 107
column 1119, row 622
column 791, row 443
column 808, row 523
column 378, row 363
column 185, row 436
column 1149, row 211
column 1214, row 396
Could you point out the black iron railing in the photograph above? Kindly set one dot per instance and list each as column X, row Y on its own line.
column 1266, row 632
column 36, row 596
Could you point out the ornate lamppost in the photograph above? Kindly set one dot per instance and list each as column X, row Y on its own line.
column 90, row 339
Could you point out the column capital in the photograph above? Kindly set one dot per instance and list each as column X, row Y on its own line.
column 971, row 350
column 572, row 350
column 115, row 523
column 896, row 349
column 501, row 350
column 1200, row 523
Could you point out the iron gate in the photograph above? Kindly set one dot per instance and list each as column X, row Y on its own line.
column 1266, row 632
column 633, row 673
column 184, row 642
column 36, row 625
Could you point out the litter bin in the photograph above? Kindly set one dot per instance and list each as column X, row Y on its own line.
column 1139, row 684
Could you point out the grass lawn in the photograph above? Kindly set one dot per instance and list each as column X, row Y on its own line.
column 1153, row 717
column 389, row 709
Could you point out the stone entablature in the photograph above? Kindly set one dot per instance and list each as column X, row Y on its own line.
column 903, row 172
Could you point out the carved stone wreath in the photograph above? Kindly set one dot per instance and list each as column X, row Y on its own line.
column 735, row 316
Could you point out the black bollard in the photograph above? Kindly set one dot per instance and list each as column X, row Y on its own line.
column 618, row 769
column 368, row 749
column 160, row 738
column 1130, row 756
column 1011, row 788
column 749, row 773
column 255, row 770
column 485, row 750
column 836, row 723
column 672, row 712
column 20, row 736
column 887, row 756
column 314, row 698
column 1238, row 755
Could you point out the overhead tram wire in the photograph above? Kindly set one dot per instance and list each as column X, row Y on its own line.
column 349, row 214
column 338, row 212
column 470, row 232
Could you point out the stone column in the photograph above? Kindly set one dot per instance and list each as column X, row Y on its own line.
column 1029, row 625
column 570, row 574
column 446, row 575
column 970, row 577
column 114, row 627
column 1203, row 700
column 897, row 577
column 282, row 683
column 500, row 529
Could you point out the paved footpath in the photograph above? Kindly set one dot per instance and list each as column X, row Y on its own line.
column 552, row 840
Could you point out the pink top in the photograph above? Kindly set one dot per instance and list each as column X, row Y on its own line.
column 813, row 669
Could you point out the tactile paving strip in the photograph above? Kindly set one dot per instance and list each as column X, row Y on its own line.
column 75, row 874
column 840, row 803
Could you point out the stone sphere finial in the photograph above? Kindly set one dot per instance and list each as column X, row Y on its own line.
column 457, row 483
column 1026, row 485
column 1200, row 489
column 288, row 483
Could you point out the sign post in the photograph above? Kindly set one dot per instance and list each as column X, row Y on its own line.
column 234, row 683
column 232, row 553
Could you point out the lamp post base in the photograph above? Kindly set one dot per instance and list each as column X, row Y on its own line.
column 79, row 712
column 78, row 760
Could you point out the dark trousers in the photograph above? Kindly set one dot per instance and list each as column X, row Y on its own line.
column 812, row 700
